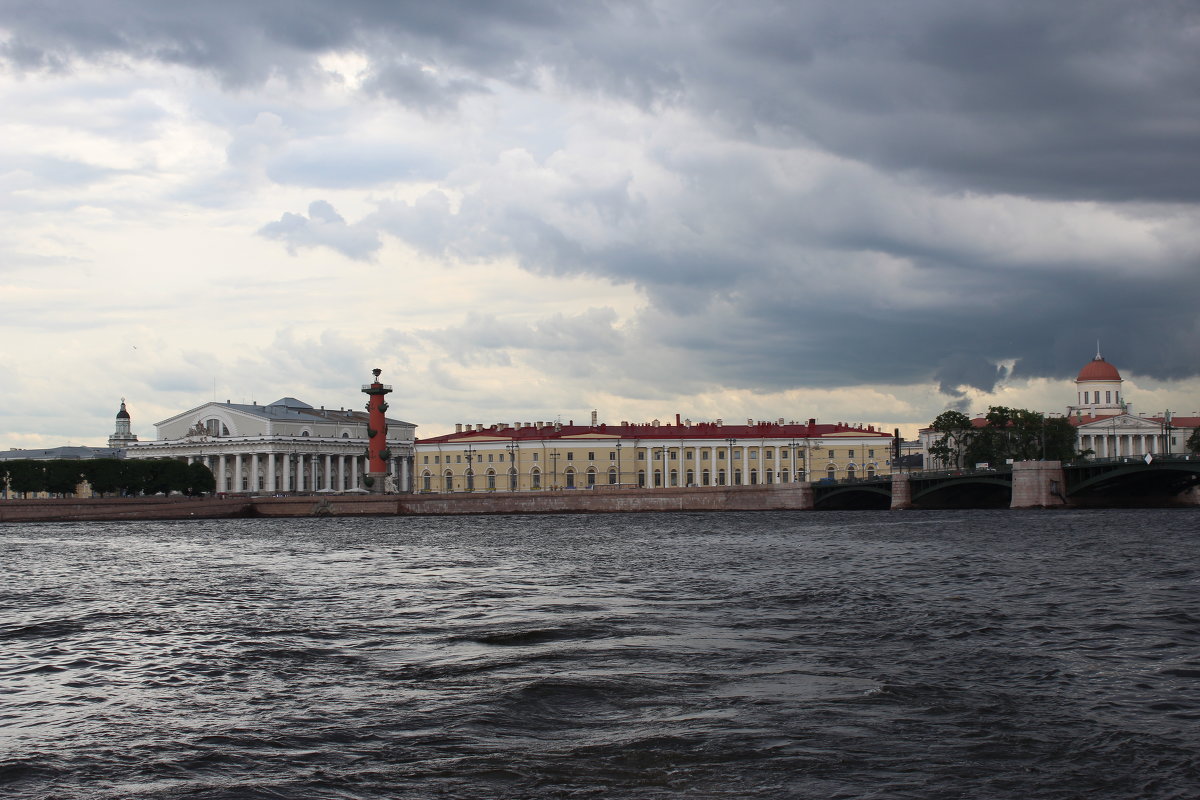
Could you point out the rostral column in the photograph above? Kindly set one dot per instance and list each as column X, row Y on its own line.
column 378, row 453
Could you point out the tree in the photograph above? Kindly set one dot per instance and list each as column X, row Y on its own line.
column 955, row 430
column 106, row 475
column 200, row 479
column 1193, row 442
column 63, row 476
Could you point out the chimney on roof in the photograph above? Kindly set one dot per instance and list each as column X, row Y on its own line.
column 687, row 422
column 812, row 421
column 678, row 421
column 479, row 426
column 720, row 421
column 593, row 417
column 625, row 423
column 458, row 427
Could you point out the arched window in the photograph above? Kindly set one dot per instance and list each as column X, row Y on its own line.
column 770, row 476
column 690, row 477
column 591, row 477
column 720, row 477
column 535, row 478
column 641, row 478
column 783, row 476
column 345, row 434
column 570, row 476
column 512, row 479
column 448, row 481
column 850, row 471
column 674, row 477
column 870, row 470
column 304, row 433
column 753, row 477
column 657, row 478
column 426, row 482
column 470, row 479
column 737, row 477
column 831, row 472
column 491, row 479
column 612, row 476
column 704, row 478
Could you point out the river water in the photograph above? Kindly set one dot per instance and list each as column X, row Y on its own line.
column 975, row 654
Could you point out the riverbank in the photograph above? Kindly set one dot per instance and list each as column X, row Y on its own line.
column 707, row 498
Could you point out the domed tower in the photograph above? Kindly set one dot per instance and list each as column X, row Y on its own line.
column 122, row 437
column 1098, row 389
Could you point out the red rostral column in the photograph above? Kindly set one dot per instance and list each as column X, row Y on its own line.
column 377, row 447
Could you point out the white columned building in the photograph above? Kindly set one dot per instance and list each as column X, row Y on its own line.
column 287, row 446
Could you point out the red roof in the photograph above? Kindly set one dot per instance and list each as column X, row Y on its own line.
column 697, row 430
column 1098, row 370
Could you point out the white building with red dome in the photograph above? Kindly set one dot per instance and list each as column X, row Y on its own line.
column 1106, row 423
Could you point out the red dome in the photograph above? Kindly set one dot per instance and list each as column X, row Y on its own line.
column 1098, row 370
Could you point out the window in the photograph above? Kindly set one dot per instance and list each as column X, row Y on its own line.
column 704, row 477
column 1108, row 397
column 691, row 478
column 674, row 477
column 591, row 455
column 674, row 455
column 831, row 454
column 641, row 455
column 657, row 478
column 783, row 456
column 612, row 456
column 720, row 455
column 612, row 477
column 753, row 477
column 870, row 454
column 535, row 456
column 491, row 479
column 570, row 456
column 591, row 477
column 641, row 478
column 426, row 480
column 512, row 479
column 850, row 454
column 570, row 479
column 426, row 461
column 769, row 455
column 690, row 454
column 658, row 455
column 720, row 477
column 831, row 472
column 704, row 454
column 458, row 459
column 437, row 459
column 490, row 456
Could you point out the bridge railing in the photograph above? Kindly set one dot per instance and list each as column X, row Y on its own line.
column 1001, row 469
column 1138, row 459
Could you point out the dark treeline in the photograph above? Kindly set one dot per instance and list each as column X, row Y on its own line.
column 106, row 476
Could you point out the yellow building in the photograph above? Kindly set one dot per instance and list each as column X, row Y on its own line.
column 535, row 456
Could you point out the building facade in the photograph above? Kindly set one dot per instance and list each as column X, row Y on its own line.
column 535, row 456
column 285, row 447
column 1105, row 423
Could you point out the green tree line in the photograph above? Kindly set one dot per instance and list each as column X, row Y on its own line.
column 1007, row 433
column 107, row 476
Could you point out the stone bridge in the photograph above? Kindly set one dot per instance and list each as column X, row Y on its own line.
column 1154, row 480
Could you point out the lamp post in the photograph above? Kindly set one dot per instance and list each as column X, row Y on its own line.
column 732, row 441
column 1167, row 431
column 792, row 445
column 554, row 469
column 514, row 450
column 619, row 446
column 470, row 453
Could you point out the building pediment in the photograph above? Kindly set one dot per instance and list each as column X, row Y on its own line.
column 1125, row 422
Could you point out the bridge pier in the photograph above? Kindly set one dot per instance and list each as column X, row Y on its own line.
column 1038, row 484
column 901, row 492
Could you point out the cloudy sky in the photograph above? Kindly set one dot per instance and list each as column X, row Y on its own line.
column 525, row 210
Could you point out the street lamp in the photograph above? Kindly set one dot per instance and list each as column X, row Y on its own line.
column 470, row 452
column 554, row 469
column 619, row 446
column 514, row 450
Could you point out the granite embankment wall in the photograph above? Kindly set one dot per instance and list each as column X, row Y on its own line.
column 716, row 498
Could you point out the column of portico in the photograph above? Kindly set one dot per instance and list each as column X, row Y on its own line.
column 778, row 478
column 298, row 478
column 354, row 472
column 236, row 482
column 271, row 487
column 329, row 471
column 221, row 473
column 255, row 483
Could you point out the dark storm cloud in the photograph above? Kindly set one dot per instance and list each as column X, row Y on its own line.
column 767, row 275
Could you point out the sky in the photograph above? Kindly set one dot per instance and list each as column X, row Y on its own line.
column 859, row 212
